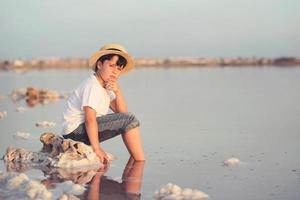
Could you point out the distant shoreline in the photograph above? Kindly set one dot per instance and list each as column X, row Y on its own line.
column 82, row 63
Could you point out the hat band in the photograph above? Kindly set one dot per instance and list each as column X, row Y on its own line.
column 114, row 49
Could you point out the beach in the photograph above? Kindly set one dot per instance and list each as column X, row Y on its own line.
column 192, row 121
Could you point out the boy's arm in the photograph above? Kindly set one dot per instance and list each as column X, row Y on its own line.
column 92, row 132
column 119, row 104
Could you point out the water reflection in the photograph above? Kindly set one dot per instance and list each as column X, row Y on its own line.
column 129, row 188
column 99, row 185
column 32, row 102
column 34, row 96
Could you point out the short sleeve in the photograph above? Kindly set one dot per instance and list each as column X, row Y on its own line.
column 91, row 97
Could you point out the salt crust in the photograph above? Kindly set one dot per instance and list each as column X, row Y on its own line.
column 35, row 93
column 21, row 135
column 19, row 186
column 70, row 187
column 68, row 197
column 174, row 192
column 231, row 162
column 20, row 109
column 44, row 124
column 18, row 94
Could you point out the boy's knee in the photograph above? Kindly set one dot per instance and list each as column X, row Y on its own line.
column 133, row 122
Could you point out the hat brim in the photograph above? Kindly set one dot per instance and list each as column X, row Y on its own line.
column 130, row 62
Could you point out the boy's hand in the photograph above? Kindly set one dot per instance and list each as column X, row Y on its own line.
column 112, row 84
column 102, row 156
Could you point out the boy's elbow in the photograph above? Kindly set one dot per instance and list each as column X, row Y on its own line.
column 90, row 120
column 125, row 110
column 121, row 109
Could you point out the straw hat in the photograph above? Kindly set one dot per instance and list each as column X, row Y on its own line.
column 112, row 49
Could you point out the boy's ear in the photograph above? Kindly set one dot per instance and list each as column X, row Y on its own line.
column 98, row 65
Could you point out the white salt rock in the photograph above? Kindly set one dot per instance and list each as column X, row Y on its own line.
column 14, row 185
column 77, row 189
column 21, row 135
column 171, row 197
column 63, row 197
column 68, row 197
column 87, row 158
column 175, row 189
column 20, row 109
column 232, row 162
column 3, row 114
column 174, row 192
column 162, row 190
column 31, row 193
column 63, row 160
column 36, row 190
column 14, row 181
column 199, row 195
column 72, row 188
column 18, row 94
column 45, row 124
column 169, row 186
column 186, row 192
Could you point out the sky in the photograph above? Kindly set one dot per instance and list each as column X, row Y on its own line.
column 150, row 28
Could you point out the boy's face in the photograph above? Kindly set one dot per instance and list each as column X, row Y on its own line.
column 109, row 69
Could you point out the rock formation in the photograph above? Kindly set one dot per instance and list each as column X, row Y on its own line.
column 35, row 93
column 56, row 152
column 34, row 96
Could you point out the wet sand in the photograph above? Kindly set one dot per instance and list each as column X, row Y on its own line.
column 192, row 121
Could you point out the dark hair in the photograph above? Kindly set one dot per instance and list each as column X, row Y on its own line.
column 122, row 62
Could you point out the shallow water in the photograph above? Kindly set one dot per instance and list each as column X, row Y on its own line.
column 192, row 120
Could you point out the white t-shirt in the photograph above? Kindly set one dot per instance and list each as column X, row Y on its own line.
column 88, row 93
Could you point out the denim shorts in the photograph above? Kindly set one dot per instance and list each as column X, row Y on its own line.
column 110, row 126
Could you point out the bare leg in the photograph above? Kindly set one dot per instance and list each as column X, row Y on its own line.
column 133, row 142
